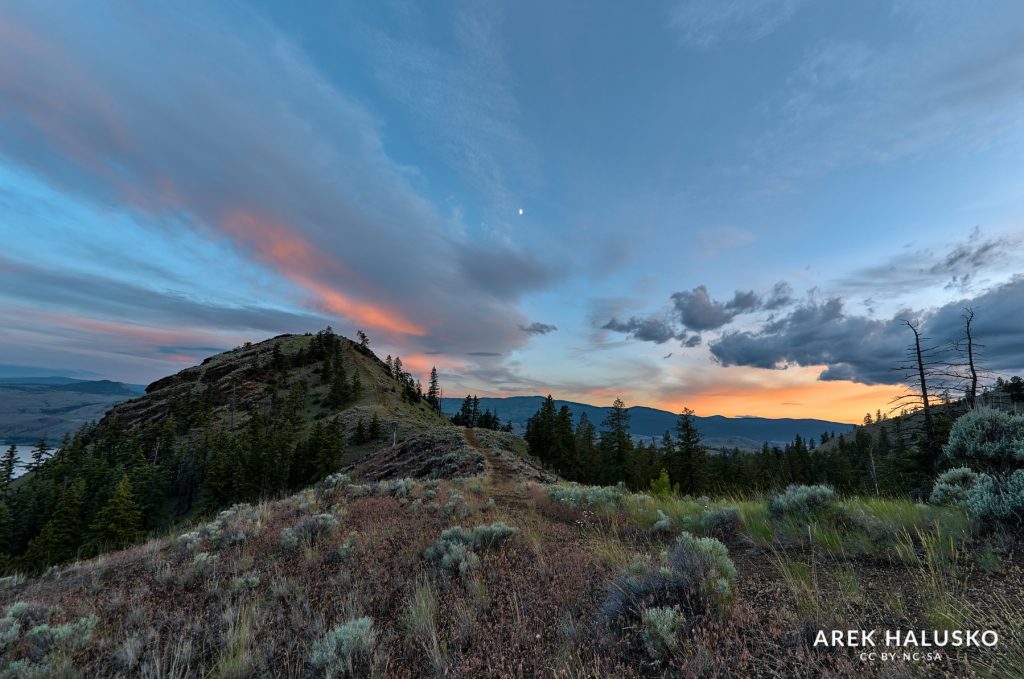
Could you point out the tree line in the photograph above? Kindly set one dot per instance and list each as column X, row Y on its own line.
column 108, row 485
column 885, row 459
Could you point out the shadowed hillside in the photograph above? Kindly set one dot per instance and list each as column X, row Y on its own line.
column 245, row 425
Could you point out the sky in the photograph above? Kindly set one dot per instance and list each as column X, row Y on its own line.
column 726, row 205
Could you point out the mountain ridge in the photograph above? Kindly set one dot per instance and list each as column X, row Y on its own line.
column 718, row 431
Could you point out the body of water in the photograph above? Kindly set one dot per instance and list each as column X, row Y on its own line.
column 24, row 457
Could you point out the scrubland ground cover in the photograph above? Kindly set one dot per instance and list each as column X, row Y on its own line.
column 494, row 576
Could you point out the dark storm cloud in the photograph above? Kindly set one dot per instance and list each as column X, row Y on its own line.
column 780, row 296
column 644, row 329
column 695, row 311
column 866, row 350
column 236, row 134
column 536, row 328
column 483, row 353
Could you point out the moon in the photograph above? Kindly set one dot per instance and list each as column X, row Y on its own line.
column 520, row 212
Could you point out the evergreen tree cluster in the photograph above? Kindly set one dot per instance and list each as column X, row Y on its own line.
column 411, row 389
column 469, row 415
column 107, row 485
column 884, row 460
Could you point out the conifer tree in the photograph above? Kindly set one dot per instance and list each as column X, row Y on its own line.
column 616, row 444
column 359, row 437
column 7, row 467
column 39, row 454
column 118, row 523
column 690, row 462
column 434, row 391
column 376, row 430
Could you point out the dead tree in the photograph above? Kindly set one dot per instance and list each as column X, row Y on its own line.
column 966, row 370
column 921, row 369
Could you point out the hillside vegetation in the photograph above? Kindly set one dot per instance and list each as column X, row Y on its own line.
column 246, row 425
column 292, row 536
column 486, row 574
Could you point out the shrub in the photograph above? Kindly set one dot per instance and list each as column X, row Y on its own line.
column 663, row 524
column 403, row 487
column 997, row 500
column 308, row 531
column 660, row 631
column 9, row 631
column 718, row 569
column 454, row 557
column 344, row 550
column 952, row 486
column 337, row 652
column 989, row 446
column 716, row 522
column 696, row 580
column 43, row 639
column 454, row 551
column 802, row 501
column 987, row 440
column 575, row 495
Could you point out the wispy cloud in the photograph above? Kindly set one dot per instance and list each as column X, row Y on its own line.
column 236, row 135
column 706, row 23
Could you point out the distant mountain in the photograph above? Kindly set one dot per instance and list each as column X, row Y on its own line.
column 61, row 383
column 647, row 423
column 50, row 406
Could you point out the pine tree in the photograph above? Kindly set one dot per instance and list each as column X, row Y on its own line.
column 376, row 430
column 690, row 462
column 7, row 467
column 364, row 341
column 616, row 444
column 587, row 452
column 434, row 391
column 357, row 385
column 359, row 437
column 39, row 454
column 117, row 524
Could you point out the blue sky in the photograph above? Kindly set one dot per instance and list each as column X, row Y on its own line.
column 727, row 205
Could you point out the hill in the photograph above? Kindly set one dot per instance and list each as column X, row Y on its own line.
column 647, row 423
column 256, row 422
column 32, row 408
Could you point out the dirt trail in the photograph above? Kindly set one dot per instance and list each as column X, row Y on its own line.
column 503, row 479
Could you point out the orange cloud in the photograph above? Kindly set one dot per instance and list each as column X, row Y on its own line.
column 296, row 259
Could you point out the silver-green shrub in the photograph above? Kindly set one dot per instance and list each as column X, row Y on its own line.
column 455, row 551
column 988, row 445
column 308, row 530
column 574, row 495
column 716, row 522
column 663, row 524
column 660, row 631
column 337, row 653
column 987, row 440
column 695, row 579
column 952, row 486
column 802, row 501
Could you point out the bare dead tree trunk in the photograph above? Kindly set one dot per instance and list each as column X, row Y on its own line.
column 929, row 425
column 972, row 392
column 874, row 471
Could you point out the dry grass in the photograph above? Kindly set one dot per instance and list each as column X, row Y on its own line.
column 256, row 608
